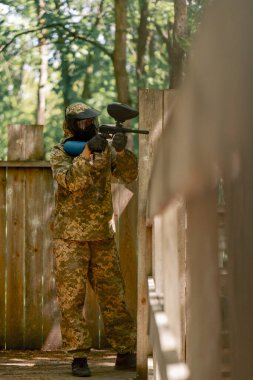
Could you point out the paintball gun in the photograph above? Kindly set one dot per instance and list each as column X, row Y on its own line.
column 120, row 113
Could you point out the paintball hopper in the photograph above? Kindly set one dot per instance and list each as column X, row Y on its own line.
column 121, row 112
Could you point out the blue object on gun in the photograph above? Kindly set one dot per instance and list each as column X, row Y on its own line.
column 74, row 148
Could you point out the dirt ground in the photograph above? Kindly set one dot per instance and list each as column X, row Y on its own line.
column 45, row 365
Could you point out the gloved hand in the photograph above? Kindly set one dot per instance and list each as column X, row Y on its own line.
column 119, row 141
column 97, row 144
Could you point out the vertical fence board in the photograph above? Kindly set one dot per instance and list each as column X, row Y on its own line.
column 2, row 254
column 127, row 246
column 51, row 313
column 181, row 234
column 33, row 260
column 157, row 254
column 151, row 110
column 170, row 270
column 203, row 305
column 239, row 210
column 16, row 258
column 24, row 142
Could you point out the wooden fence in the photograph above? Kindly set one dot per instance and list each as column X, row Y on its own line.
column 195, row 312
column 29, row 313
column 179, row 274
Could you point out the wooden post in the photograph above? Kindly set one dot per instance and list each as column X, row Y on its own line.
column 151, row 110
column 203, row 324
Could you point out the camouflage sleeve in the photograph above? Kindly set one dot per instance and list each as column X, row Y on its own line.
column 125, row 167
column 78, row 173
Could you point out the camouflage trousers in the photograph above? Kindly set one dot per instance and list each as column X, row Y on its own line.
column 98, row 262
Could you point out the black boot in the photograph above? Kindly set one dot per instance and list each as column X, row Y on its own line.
column 80, row 367
column 126, row 361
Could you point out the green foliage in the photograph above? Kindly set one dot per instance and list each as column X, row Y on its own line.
column 80, row 40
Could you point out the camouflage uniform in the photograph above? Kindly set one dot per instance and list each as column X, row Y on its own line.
column 84, row 245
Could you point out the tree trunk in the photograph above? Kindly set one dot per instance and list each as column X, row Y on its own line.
column 142, row 42
column 119, row 55
column 66, row 80
column 41, row 105
column 178, row 51
column 86, row 93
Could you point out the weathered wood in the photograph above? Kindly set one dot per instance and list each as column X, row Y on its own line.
column 160, row 193
column 2, row 254
column 25, row 164
column 181, row 236
column 239, row 209
column 33, row 257
column 157, row 254
column 151, row 109
column 25, row 142
column 15, row 317
column 50, row 307
column 164, row 340
column 203, row 323
column 127, row 245
column 170, row 271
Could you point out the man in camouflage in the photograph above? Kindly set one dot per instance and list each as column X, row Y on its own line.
column 84, row 245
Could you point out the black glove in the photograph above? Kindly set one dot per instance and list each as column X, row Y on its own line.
column 119, row 141
column 97, row 144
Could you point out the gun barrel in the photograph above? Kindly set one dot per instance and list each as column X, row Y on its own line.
column 111, row 129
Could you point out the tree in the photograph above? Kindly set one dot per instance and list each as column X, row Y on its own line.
column 119, row 54
column 177, row 48
column 41, row 107
column 142, row 41
column 97, row 51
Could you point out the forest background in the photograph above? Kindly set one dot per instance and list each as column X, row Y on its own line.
column 53, row 53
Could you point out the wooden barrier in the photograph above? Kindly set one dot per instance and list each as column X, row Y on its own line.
column 151, row 104
column 184, row 299
column 209, row 135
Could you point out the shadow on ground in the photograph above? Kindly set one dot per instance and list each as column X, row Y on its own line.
column 48, row 365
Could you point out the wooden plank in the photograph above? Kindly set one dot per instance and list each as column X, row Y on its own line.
column 164, row 342
column 151, row 110
column 160, row 188
column 157, row 254
column 2, row 254
column 51, row 312
column 25, row 164
column 203, row 325
column 181, row 236
column 33, row 259
column 15, row 258
column 170, row 270
column 239, row 208
column 25, row 142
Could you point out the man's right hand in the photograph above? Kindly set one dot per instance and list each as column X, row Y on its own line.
column 97, row 144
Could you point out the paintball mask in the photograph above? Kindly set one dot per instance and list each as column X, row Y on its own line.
column 80, row 121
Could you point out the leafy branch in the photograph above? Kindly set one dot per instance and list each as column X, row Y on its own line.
column 72, row 33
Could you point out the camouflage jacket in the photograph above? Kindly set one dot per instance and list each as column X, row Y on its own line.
column 83, row 200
